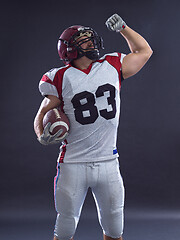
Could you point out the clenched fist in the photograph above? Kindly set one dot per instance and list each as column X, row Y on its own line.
column 115, row 23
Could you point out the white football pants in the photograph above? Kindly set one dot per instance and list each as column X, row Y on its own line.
column 71, row 186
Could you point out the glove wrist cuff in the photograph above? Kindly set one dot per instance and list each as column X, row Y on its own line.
column 42, row 141
column 122, row 27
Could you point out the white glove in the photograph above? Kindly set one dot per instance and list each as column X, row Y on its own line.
column 115, row 23
column 46, row 138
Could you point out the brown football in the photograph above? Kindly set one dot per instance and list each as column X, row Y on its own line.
column 58, row 121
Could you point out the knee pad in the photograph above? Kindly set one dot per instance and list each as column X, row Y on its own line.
column 114, row 224
column 65, row 227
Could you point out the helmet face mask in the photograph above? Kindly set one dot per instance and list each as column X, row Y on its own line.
column 72, row 41
column 92, row 44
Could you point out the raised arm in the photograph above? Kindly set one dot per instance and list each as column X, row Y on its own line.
column 140, row 49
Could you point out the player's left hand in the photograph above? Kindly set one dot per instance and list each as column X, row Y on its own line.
column 115, row 23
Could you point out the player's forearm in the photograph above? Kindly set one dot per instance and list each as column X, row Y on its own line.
column 38, row 124
column 136, row 42
column 48, row 103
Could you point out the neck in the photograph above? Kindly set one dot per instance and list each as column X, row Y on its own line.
column 82, row 63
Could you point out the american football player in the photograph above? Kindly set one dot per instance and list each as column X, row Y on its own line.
column 88, row 90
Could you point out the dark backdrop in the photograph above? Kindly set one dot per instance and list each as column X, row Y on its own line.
column 149, row 131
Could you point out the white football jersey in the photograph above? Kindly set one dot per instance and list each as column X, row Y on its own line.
column 91, row 100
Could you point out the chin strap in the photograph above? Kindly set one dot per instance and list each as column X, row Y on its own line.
column 93, row 54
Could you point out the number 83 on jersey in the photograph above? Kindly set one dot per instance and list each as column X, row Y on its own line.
column 85, row 109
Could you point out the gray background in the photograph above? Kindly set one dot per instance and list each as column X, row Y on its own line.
column 149, row 131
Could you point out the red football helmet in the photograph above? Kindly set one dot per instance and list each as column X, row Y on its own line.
column 69, row 49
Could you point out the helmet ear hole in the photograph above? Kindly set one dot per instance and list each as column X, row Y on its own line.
column 70, row 49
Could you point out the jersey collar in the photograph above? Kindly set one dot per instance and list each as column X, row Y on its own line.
column 86, row 71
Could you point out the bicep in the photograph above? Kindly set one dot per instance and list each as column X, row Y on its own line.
column 132, row 63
